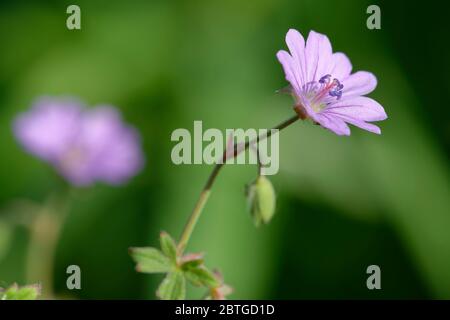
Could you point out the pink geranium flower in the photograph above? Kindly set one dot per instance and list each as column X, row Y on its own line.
column 84, row 145
column 324, row 88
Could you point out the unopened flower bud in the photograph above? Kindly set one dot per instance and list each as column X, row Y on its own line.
column 261, row 199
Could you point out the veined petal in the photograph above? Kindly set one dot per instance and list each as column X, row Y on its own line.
column 342, row 66
column 358, row 84
column 360, row 108
column 333, row 123
column 296, row 45
column 325, row 57
column 290, row 70
column 361, row 124
column 366, row 126
column 318, row 54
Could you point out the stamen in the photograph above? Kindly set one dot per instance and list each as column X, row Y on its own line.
column 332, row 88
column 337, row 89
column 325, row 78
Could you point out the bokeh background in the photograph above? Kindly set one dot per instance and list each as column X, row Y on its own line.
column 343, row 203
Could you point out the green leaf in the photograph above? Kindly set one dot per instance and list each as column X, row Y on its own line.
column 201, row 276
column 168, row 246
column 151, row 260
column 173, row 287
column 15, row 292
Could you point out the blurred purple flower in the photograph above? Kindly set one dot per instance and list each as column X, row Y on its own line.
column 84, row 145
column 323, row 88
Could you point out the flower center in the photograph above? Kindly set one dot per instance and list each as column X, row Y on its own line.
column 73, row 158
column 319, row 93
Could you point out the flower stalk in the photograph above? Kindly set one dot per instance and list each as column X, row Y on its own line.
column 45, row 233
column 204, row 195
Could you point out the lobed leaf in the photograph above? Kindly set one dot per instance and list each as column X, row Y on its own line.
column 168, row 246
column 151, row 260
column 173, row 287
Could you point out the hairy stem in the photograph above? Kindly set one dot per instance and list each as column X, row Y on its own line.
column 203, row 198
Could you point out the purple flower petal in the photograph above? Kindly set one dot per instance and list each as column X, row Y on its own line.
column 333, row 123
column 359, row 84
column 296, row 45
column 123, row 159
column 48, row 129
column 361, row 124
column 318, row 56
column 360, row 108
column 342, row 66
column 113, row 148
column 290, row 70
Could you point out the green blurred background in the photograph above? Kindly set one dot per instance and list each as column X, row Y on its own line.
column 343, row 203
